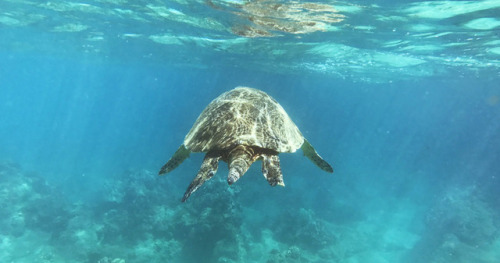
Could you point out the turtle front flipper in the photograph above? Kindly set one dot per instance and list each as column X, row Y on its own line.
column 179, row 156
column 310, row 153
column 207, row 170
column 271, row 169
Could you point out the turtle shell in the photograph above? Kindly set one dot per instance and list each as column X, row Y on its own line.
column 244, row 116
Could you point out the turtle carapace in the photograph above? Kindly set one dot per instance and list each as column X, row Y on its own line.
column 239, row 127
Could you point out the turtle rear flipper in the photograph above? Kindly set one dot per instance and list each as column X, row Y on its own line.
column 310, row 153
column 179, row 156
column 207, row 170
column 271, row 169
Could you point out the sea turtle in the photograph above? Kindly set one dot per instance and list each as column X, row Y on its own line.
column 239, row 127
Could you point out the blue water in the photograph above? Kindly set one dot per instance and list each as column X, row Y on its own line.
column 401, row 98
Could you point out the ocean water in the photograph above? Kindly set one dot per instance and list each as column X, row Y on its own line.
column 402, row 98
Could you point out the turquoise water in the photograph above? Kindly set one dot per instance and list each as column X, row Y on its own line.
column 402, row 98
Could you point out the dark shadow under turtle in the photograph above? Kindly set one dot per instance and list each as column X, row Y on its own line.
column 239, row 127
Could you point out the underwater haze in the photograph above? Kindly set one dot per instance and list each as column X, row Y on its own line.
column 402, row 98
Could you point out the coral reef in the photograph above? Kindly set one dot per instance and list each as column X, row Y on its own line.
column 27, row 201
column 136, row 212
column 110, row 260
column 304, row 229
column 291, row 255
column 463, row 213
column 136, row 220
column 136, row 204
column 460, row 227
column 131, row 213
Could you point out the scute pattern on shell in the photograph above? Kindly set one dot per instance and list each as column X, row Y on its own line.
column 244, row 116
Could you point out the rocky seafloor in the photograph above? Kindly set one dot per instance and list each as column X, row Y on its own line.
column 136, row 219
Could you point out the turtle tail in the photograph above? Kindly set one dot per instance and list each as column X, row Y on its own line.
column 239, row 159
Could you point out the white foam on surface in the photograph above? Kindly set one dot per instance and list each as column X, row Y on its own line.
column 447, row 9
column 396, row 39
column 485, row 23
